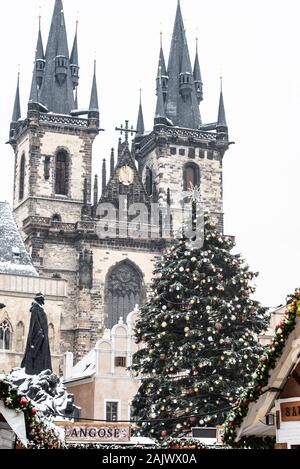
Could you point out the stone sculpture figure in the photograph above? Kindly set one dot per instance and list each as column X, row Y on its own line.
column 37, row 356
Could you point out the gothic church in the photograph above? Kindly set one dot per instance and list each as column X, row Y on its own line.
column 56, row 201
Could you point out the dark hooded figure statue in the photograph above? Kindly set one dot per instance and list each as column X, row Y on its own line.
column 37, row 356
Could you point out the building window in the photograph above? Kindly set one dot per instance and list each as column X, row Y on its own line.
column 191, row 176
column 202, row 154
column 182, row 152
column 123, row 292
column 56, row 218
column 22, row 177
column 61, row 173
column 210, row 155
column 192, row 152
column 149, row 181
column 120, row 361
column 20, row 337
column 111, row 411
column 173, row 150
column 5, row 335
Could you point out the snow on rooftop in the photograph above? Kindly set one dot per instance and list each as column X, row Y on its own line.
column 14, row 259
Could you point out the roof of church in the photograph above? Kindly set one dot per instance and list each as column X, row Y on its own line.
column 14, row 259
column 182, row 112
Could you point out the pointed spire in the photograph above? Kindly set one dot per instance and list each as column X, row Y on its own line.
column 94, row 105
column 17, row 107
column 181, row 102
column 162, row 62
column 197, row 76
column 160, row 113
column 112, row 162
column 74, row 62
column 40, row 55
column 57, row 88
column 38, row 76
column 74, row 54
column 140, row 122
column 120, row 148
column 33, row 98
column 221, row 115
column 96, row 197
column 103, row 176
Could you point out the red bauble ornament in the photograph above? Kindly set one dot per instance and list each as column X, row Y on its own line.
column 245, row 401
column 264, row 358
column 170, row 306
column 166, row 317
column 245, row 293
column 23, row 401
column 33, row 411
column 164, row 434
column 162, row 356
column 258, row 388
column 194, row 369
column 193, row 419
column 298, row 294
column 218, row 326
column 220, row 277
column 276, row 344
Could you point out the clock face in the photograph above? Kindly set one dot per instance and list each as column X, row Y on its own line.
column 126, row 175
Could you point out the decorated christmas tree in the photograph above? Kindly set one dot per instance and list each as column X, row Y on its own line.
column 199, row 334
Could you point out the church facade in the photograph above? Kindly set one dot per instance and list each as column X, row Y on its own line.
column 57, row 203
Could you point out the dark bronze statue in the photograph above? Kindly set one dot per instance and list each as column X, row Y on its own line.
column 37, row 356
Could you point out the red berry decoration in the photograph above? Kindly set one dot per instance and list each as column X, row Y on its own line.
column 245, row 401
column 298, row 294
column 166, row 317
column 193, row 419
column 164, row 434
column 170, row 306
column 264, row 358
column 23, row 401
column 218, row 326
column 276, row 344
column 33, row 411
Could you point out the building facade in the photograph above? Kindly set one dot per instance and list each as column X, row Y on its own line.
column 19, row 283
column 101, row 383
column 58, row 207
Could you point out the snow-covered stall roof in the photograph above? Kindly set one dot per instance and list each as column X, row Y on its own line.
column 14, row 259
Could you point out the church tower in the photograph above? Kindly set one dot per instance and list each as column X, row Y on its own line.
column 53, row 144
column 181, row 152
column 107, row 276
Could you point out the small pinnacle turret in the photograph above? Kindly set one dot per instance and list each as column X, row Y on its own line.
column 17, row 107
column 39, row 60
column 140, row 122
column 221, row 114
column 197, row 77
column 104, row 180
column 160, row 113
column 74, row 61
column 94, row 104
column 163, row 70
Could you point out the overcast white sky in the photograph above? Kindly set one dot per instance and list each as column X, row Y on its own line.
column 253, row 44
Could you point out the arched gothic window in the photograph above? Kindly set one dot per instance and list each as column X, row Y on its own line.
column 5, row 335
column 123, row 292
column 22, row 177
column 20, row 337
column 61, row 173
column 191, row 176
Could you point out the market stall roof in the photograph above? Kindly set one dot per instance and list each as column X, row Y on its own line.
column 254, row 424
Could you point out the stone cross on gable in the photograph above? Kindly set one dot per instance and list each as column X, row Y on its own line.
column 126, row 130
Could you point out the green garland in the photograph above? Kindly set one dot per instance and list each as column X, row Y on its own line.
column 260, row 380
column 41, row 433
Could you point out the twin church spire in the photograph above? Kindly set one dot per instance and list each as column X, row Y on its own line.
column 55, row 77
